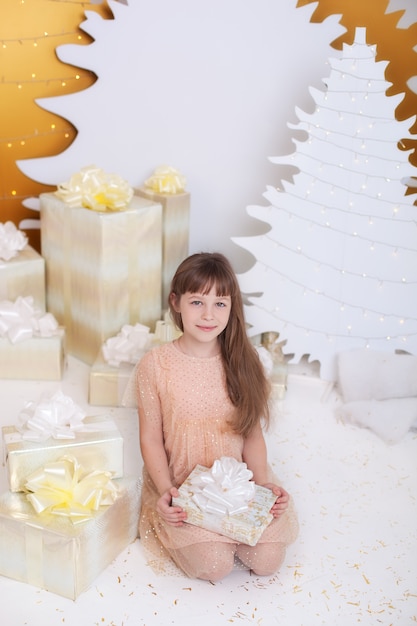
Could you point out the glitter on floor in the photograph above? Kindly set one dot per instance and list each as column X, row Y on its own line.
column 355, row 561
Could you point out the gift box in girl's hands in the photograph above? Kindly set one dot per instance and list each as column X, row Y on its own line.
column 225, row 500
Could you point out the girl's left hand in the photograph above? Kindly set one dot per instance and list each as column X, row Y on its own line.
column 283, row 498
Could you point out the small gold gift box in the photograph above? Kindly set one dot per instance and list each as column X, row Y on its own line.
column 35, row 358
column 108, row 383
column 175, row 232
column 24, row 275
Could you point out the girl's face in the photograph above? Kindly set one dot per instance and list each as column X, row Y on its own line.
column 204, row 316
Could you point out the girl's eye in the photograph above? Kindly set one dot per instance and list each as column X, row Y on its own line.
column 196, row 302
column 221, row 304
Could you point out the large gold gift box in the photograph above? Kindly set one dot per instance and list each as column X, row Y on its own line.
column 36, row 358
column 99, row 446
column 24, row 275
column 107, row 383
column 50, row 552
column 245, row 527
column 103, row 269
column 175, row 229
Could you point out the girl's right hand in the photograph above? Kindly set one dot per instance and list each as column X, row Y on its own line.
column 173, row 515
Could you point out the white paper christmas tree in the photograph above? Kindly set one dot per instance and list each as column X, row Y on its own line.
column 338, row 268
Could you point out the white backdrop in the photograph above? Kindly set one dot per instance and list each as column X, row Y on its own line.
column 205, row 87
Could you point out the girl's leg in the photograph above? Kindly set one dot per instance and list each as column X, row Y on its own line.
column 263, row 559
column 208, row 560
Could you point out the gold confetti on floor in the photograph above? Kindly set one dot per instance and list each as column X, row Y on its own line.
column 354, row 562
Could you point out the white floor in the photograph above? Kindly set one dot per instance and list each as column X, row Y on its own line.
column 355, row 561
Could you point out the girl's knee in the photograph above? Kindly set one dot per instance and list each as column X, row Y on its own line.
column 206, row 561
column 266, row 569
column 218, row 563
column 263, row 559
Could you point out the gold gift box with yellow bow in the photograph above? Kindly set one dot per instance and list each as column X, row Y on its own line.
column 53, row 553
column 103, row 269
column 167, row 187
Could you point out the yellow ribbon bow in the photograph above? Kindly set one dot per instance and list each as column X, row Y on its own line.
column 94, row 189
column 62, row 488
column 166, row 179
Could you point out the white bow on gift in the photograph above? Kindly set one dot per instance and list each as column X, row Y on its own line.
column 57, row 417
column 226, row 488
column 21, row 320
column 12, row 240
column 128, row 346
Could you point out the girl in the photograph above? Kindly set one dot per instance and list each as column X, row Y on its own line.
column 202, row 397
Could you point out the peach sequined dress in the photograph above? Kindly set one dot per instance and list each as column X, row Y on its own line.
column 188, row 398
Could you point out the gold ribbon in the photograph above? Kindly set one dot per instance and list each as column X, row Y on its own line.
column 94, row 189
column 62, row 488
column 166, row 179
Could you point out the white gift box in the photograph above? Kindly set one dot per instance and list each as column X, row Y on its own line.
column 32, row 346
column 36, row 358
column 245, row 526
column 99, row 445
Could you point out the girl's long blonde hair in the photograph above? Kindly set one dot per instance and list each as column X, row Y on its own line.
column 247, row 384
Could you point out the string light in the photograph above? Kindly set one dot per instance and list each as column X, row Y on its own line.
column 342, row 306
column 373, row 241
column 342, row 271
column 10, row 141
column 338, row 335
column 373, row 216
column 34, row 39
column 41, row 81
column 31, row 83
column 311, row 128
column 358, row 79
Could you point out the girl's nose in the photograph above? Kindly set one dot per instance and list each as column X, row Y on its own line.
column 207, row 313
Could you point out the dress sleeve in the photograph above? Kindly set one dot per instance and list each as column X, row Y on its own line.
column 147, row 388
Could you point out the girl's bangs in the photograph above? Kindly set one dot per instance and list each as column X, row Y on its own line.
column 202, row 282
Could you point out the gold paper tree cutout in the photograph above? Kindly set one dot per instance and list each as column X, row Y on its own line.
column 30, row 69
